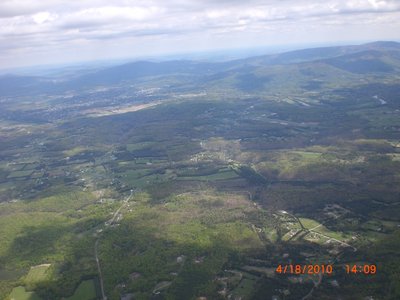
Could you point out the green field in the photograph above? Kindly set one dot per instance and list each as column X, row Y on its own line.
column 318, row 227
column 19, row 293
column 18, row 174
column 85, row 291
column 37, row 274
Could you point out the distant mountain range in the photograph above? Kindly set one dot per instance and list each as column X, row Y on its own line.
column 377, row 57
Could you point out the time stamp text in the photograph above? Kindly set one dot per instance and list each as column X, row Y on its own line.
column 311, row 269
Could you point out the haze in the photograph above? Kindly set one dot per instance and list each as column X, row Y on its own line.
column 49, row 32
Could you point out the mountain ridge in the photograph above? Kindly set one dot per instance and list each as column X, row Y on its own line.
column 384, row 57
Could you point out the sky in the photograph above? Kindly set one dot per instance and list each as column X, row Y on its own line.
column 35, row 32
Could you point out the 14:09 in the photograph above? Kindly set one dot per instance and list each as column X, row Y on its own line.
column 361, row 269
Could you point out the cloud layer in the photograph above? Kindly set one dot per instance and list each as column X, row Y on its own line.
column 49, row 31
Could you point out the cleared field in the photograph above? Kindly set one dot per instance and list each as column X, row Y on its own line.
column 37, row 274
column 75, row 151
column 287, row 163
column 85, row 291
column 319, row 228
column 309, row 223
column 18, row 174
column 19, row 293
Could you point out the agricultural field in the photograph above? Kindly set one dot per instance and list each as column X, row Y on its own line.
column 85, row 291
column 19, row 293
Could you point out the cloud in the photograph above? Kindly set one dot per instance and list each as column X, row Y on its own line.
column 30, row 24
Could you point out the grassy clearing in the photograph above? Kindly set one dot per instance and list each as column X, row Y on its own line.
column 241, row 235
column 309, row 223
column 19, row 293
column 318, row 227
column 18, row 174
column 37, row 274
column 85, row 291
column 74, row 151
column 286, row 163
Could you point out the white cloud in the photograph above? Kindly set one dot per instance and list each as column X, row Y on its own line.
column 43, row 17
column 53, row 26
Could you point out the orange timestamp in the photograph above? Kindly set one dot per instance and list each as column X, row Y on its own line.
column 367, row 269
column 312, row 269
column 304, row 269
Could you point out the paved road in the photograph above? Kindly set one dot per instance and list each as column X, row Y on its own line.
column 99, row 269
